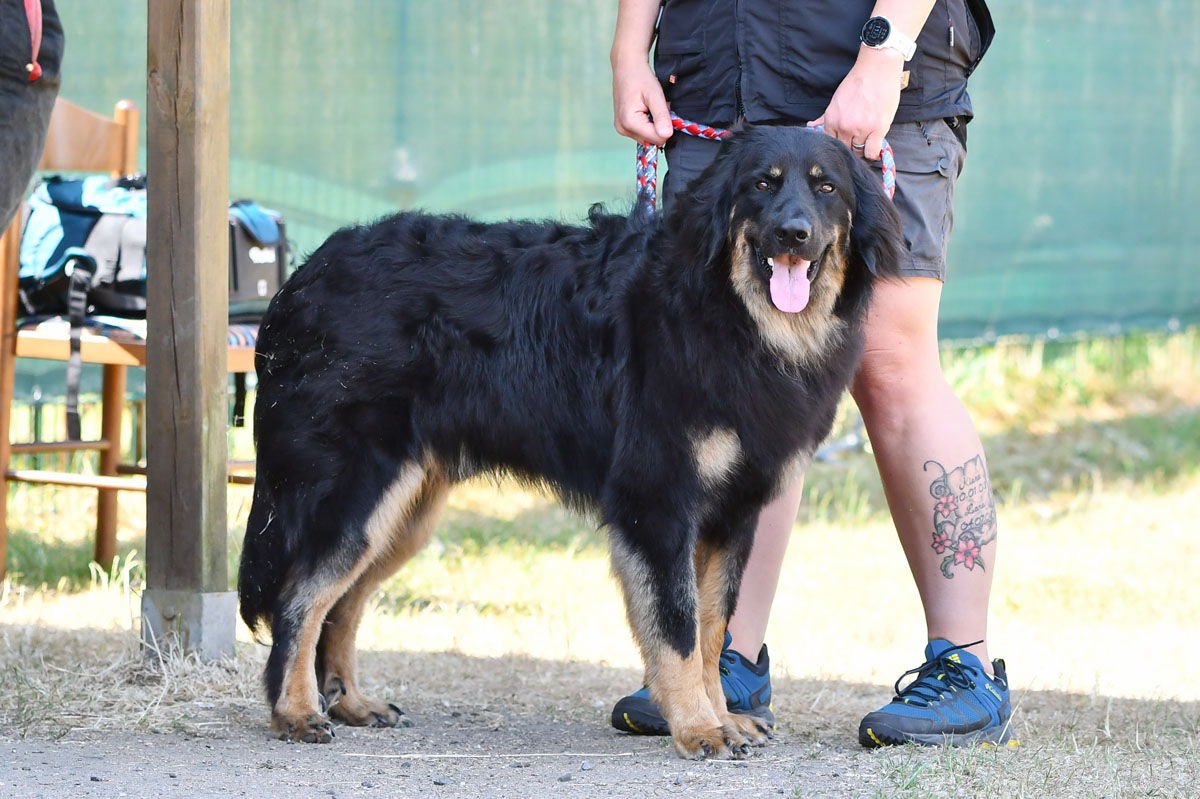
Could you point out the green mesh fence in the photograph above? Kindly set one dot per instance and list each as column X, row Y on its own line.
column 1075, row 214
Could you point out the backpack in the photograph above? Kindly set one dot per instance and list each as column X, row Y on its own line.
column 83, row 249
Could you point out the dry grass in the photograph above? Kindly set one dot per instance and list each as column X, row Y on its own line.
column 1095, row 606
column 1096, row 633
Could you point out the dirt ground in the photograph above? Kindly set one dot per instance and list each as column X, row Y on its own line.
column 525, row 727
column 445, row 755
column 510, row 727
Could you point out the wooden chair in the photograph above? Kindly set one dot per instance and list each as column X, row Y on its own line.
column 82, row 141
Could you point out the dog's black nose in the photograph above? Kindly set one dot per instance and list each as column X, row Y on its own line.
column 794, row 231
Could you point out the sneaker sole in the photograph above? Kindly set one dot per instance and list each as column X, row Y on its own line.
column 878, row 735
column 638, row 721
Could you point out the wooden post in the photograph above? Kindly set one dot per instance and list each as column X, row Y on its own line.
column 187, row 601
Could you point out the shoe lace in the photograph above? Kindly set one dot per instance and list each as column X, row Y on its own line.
column 933, row 676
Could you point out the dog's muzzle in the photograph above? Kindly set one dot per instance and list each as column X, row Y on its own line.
column 790, row 278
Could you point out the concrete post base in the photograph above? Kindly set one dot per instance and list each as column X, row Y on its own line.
column 189, row 621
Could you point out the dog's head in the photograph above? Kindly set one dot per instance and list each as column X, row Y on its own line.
column 801, row 223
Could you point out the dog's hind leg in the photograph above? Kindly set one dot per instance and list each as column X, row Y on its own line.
column 307, row 600
column 336, row 653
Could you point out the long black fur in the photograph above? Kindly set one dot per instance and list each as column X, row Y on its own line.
column 584, row 357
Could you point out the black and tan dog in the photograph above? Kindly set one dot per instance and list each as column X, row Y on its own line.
column 669, row 376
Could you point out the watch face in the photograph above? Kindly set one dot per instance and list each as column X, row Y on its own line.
column 876, row 31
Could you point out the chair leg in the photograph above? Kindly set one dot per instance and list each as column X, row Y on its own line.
column 7, row 374
column 112, row 404
column 8, row 349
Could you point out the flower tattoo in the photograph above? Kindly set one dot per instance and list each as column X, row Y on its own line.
column 964, row 516
column 941, row 541
column 968, row 553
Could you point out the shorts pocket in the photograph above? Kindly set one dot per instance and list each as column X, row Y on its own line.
column 16, row 46
column 929, row 160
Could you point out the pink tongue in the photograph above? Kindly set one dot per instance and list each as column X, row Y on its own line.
column 789, row 287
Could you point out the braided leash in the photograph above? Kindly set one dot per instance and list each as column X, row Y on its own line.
column 647, row 160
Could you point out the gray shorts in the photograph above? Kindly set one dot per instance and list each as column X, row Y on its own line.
column 929, row 159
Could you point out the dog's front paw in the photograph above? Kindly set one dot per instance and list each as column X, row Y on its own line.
column 753, row 730
column 710, row 743
column 312, row 728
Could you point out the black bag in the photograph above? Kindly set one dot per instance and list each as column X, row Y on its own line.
column 258, row 259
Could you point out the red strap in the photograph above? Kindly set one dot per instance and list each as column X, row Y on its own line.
column 33, row 12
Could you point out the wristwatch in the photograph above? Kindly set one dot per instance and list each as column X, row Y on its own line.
column 879, row 32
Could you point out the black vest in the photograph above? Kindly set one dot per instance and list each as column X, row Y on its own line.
column 781, row 60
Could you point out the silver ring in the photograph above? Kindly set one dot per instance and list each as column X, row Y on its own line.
column 858, row 146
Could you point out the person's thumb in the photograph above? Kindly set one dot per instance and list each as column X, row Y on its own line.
column 661, row 112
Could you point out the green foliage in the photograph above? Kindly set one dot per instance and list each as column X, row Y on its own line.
column 1060, row 421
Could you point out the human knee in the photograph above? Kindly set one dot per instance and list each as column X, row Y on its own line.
column 892, row 381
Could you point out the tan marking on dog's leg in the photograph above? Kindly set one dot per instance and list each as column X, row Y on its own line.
column 344, row 700
column 297, row 714
column 711, row 588
column 716, row 454
column 712, row 573
column 676, row 682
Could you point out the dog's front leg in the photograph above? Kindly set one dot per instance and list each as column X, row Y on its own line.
column 720, row 560
column 661, row 602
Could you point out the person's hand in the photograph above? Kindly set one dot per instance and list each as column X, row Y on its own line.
column 639, row 107
column 865, row 102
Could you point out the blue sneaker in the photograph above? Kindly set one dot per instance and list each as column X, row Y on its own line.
column 952, row 701
column 747, row 690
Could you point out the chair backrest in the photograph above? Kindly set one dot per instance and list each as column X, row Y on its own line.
column 77, row 140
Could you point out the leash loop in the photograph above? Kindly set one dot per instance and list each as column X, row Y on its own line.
column 647, row 159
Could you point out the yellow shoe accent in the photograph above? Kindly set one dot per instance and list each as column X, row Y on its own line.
column 632, row 726
column 875, row 737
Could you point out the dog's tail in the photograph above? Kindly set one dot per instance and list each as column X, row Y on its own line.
column 264, row 564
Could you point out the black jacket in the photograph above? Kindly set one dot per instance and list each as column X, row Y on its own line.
column 776, row 60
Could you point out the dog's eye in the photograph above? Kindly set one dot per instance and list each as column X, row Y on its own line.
column 762, row 185
column 825, row 188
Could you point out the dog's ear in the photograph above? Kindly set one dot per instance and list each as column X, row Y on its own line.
column 699, row 218
column 876, row 236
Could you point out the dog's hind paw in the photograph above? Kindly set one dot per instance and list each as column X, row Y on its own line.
column 363, row 713
column 311, row 729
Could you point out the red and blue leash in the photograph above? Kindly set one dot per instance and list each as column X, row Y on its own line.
column 647, row 159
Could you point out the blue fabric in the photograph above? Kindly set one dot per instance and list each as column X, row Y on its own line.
column 260, row 224
column 63, row 213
